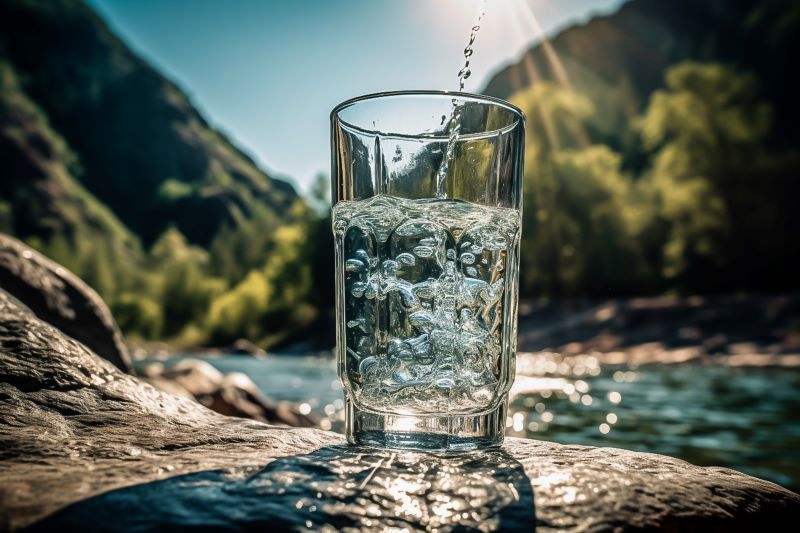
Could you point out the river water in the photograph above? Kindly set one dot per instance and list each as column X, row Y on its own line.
column 742, row 418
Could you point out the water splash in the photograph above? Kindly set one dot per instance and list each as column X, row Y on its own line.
column 454, row 125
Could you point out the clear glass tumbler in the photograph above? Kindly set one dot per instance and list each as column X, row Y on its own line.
column 427, row 258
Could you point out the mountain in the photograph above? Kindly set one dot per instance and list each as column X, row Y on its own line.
column 95, row 140
column 107, row 168
column 618, row 60
column 41, row 195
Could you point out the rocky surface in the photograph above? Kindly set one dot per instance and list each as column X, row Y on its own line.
column 60, row 298
column 84, row 444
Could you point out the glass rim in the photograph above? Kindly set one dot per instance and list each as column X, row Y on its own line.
column 491, row 100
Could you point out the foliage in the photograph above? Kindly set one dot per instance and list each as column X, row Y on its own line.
column 704, row 128
column 645, row 172
column 582, row 215
column 591, row 226
column 696, row 218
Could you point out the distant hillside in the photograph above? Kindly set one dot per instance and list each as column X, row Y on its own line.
column 93, row 137
column 619, row 59
column 41, row 196
column 106, row 167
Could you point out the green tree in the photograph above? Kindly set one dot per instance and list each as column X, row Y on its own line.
column 706, row 129
column 581, row 219
column 186, row 289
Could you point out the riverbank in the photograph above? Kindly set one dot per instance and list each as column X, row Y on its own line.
column 734, row 330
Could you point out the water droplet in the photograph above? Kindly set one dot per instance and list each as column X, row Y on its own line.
column 467, row 259
column 472, row 271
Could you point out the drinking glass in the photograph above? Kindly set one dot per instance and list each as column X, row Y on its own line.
column 427, row 256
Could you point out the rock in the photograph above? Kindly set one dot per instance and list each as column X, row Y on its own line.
column 85, row 446
column 245, row 347
column 232, row 394
column 60, row 298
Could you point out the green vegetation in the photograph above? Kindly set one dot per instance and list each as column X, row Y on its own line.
column 647, row 173
column 708, row 211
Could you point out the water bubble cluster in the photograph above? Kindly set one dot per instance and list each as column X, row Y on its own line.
column 424, row 283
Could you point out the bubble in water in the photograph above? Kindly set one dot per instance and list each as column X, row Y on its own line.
column 369, row 292
column 354, row 265
column 418, row 337
column 406, row 259
column 423, row 251
column 358, row 289
column 389, row 268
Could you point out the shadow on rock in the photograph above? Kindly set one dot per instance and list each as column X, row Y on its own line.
column 335, row 486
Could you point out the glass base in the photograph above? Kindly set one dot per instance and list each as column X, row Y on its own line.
column 432, row 433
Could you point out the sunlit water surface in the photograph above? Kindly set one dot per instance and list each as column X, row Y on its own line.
column 742, row 418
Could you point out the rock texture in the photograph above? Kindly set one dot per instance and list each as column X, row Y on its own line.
column 60, row 298
column 232, row 394
column 84, row 445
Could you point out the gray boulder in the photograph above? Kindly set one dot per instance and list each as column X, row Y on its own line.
column 86, row 447
column 60, row 298
column 232, row 394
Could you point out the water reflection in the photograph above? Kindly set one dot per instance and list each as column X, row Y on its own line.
column 333, row 488
column 743, row 418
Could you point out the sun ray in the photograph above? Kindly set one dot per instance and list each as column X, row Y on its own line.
column 557, row 66
column 534, row 76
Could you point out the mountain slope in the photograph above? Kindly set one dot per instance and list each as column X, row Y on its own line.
column 40, row 196
column 618, row 60
column 141, row 148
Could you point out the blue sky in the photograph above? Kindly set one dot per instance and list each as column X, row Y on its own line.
column 268, row 73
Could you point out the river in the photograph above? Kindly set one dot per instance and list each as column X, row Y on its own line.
column 747, row 419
